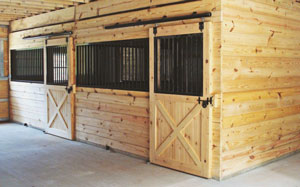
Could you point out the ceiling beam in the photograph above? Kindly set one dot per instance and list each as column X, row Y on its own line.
column 16, row 9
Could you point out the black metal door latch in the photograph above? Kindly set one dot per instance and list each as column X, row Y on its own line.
column 205, row 102
column 69, row 89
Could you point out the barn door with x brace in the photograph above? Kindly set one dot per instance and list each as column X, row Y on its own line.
column 60, row 93
column 180, row 100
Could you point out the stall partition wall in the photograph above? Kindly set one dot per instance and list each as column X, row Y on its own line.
column 42, row 101
column 4, row 108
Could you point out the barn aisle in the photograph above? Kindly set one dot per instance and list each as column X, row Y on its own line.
column 28, row 157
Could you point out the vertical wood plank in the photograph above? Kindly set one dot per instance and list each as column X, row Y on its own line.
column 151, row 95
column 72, row 82
column 206, row 152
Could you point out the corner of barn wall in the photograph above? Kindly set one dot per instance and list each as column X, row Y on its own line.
column 4, row 97
column 216, row 76
column 260, row 83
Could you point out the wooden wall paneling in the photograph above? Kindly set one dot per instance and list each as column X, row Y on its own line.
column 3, row 32
column 4, row 111
column 155, row 13
column 104, row 7
column 260, row 83
column 59, row 16
column 16, row 39
column 3, row 88
column 90, row 30
column 118, row 119
column 27, row 104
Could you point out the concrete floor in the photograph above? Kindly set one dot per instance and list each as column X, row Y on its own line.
column 30, row 158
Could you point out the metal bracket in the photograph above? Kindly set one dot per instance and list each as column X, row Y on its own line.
column 69, row 89
column 205, row 102
column 201, row 26
column 154, row 30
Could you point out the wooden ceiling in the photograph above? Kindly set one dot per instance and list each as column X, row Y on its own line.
column 16, row 9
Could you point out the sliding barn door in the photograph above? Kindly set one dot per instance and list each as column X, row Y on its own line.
column 59, row 92
column 180, row 104
column 59, row 112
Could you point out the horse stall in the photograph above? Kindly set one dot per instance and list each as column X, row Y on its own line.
column 206, row 87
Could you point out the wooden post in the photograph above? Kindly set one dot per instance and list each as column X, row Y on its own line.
column 6, row 56
column 72, row 82
column 151, row 95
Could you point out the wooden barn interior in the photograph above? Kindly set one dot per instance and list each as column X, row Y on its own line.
column 198, row 89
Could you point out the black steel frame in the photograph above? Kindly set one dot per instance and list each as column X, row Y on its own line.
column 57, row 65
column 178, row 67
column 27, row 65
column 114, row 65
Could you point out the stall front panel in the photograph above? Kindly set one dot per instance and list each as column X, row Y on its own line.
column 180, row 97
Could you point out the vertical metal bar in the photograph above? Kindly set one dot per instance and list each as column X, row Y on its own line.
column 36, row 65
column 57, row 51
column 136, row 65
column 121, row 66
column 67, row 65
column 37, row 68
column 125, row 68
column 189, row 64
column 81, row 64
column 177, row 66
column 110, row 62
column 201, row 63
column 87, row 65
column 98, row 70
column 27, row 67
column 61, row 66
column 140, row 65
column 169, row 64
column 90, row 65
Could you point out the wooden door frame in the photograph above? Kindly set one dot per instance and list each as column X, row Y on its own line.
column 207, row 85
column 69, row 42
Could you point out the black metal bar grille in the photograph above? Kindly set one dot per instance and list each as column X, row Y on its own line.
column 57, row 65
column 114, row 65
column 178, row 64
column 27, row 65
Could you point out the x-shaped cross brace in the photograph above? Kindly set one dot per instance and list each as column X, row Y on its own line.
column 177, row 131
column 57, row 106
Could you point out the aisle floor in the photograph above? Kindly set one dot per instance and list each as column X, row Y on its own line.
column 28, row 157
